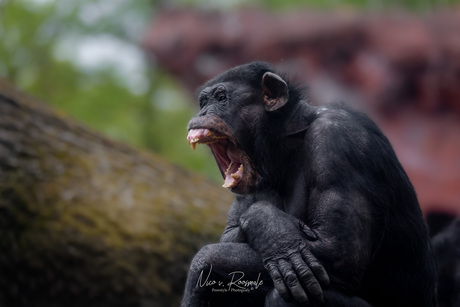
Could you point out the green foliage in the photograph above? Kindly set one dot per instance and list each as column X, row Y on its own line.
column 52, row 49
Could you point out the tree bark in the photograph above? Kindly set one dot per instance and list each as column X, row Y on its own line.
column 86, row 221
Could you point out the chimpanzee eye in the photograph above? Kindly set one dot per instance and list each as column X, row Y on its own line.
column 220, row 94
column 221, row 97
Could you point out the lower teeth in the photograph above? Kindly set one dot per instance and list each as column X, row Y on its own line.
column 236, row 176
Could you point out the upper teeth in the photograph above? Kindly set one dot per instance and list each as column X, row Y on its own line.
column 228, row 168
column 195, row 134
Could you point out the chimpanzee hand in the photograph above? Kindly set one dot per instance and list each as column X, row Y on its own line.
column 282, row 242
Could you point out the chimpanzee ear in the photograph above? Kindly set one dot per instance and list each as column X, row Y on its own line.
column 275, row 91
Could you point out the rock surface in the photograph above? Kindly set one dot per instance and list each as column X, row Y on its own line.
column 86, row 221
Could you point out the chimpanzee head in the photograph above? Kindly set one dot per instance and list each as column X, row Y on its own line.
column 235, row 110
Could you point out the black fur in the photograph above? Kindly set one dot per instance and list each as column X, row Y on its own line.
column 447, row 249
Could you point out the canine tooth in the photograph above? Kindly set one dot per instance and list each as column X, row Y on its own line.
column 228, row 168
column 209, row 133
column 193, row 145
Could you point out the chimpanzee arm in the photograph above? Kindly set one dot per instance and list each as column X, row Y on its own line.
column 334, row 204
column 232, row 232
column 343, row 225
column 282, row 242
column 295, row 255
column 347, row 180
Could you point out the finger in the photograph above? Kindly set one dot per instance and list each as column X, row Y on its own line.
column 278, row 281
column 307, row 231
column 292, row 282
column 306, row 277
column 318, row 270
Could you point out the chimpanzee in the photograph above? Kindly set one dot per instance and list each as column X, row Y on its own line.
column 323, row 214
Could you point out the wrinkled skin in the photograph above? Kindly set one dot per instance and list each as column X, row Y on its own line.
column 324, row 214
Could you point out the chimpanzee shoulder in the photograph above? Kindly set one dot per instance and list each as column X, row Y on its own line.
column 339, row 127
column 344, row 143
column 345, row 118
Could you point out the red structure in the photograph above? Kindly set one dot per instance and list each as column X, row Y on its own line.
column 403, row 70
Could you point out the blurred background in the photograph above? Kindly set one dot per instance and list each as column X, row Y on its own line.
column 129, row 69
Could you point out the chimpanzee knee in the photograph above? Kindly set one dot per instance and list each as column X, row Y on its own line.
column 202, row 260
column 194, row 295
column 226, row 274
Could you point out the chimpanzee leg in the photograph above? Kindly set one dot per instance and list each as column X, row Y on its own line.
column 226, row 274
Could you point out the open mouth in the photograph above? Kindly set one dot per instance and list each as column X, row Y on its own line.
column 227, row 155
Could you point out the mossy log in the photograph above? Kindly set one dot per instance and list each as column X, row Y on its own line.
column 86, row 221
